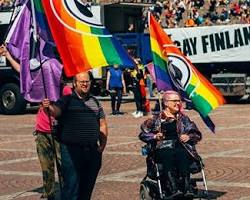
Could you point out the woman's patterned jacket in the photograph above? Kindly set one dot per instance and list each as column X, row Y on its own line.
column 184, row 126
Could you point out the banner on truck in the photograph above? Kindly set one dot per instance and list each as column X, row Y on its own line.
column 229, row 43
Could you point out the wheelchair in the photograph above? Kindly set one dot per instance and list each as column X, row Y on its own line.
column 151, row 187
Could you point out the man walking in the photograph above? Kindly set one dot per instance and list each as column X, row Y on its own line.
column 83, row 137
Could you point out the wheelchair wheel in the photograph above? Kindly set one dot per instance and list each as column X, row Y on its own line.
column 144, row 192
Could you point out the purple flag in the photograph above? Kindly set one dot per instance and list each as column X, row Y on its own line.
column 19, row 2
column 31, row 54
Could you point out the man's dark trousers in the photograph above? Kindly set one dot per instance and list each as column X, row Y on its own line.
column 80, row 167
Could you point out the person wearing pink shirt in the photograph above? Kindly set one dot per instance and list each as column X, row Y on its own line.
column 45, row 149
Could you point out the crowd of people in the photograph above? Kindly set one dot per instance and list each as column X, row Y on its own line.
column 191, row 13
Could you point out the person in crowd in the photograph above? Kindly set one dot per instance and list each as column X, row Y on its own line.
column 115, row 85
column 137, row 76
column 235, row 9
column 212, row 5
column 6, row 4
column 190, row 22
column 128, row 81
column 175, row 129
column 83, row 138
column 224, row 15
column 131, row 28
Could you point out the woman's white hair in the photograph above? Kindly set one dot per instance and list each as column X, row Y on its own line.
column 167, row 94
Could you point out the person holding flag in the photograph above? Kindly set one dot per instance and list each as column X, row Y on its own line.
column 46, row 148
column 83, row 138
column 174, row 71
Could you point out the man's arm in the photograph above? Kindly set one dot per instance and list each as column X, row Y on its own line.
column 53, row 109
column 124, row 85
column 107, row 82
column 103, row 135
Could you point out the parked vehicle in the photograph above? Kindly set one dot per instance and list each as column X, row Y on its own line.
column 11, row 101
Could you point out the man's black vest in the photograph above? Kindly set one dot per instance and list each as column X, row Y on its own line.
column 80, row 122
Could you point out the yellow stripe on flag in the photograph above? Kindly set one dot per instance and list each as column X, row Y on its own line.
column 92, row 48
column 204, row 92
column 155, row 47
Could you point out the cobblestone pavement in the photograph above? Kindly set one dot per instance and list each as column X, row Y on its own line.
column 226, row 155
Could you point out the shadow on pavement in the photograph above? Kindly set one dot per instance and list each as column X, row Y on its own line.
column 212, row 194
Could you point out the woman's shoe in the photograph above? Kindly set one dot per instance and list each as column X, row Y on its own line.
column 173, row 186
column 188, row 190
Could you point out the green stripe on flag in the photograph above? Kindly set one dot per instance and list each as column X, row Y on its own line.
column 107, row 46
column 38, row 6
column 159, row 61
column 200, row 103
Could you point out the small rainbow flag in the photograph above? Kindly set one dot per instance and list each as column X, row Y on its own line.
column 174, row 70
column 82, row 41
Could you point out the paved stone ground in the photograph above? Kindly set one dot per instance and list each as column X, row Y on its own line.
column 226, row 155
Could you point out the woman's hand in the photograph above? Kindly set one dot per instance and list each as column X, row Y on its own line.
column 184, row 138
column 159, row 136
column 4, row 51
column 46, row 103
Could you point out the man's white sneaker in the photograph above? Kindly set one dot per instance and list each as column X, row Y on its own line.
column 139, row 114
column 134, row 113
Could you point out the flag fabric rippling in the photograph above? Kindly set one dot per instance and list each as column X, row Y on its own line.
column 39, row 68
column 174, row 69
column 82, row 42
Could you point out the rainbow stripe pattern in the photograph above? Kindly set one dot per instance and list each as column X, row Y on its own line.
column 157, row 38
column 42, row 22
column 182, row 73
column 82, row 41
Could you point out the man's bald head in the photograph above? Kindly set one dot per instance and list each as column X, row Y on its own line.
column 80, row 75
column 81, row 83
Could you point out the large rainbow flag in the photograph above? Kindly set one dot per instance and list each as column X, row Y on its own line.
column 174, row 70
column 82, row 41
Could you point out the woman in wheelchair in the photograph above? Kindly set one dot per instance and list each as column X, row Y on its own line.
column 174, row 137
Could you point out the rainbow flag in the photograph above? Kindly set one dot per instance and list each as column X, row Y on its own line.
column 82, row 41
column 42, row 23
column 179, row 73
column 160, row 61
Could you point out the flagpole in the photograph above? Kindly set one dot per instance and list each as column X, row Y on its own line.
column 159, row 127
column 159, row 94
column 36, row 37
